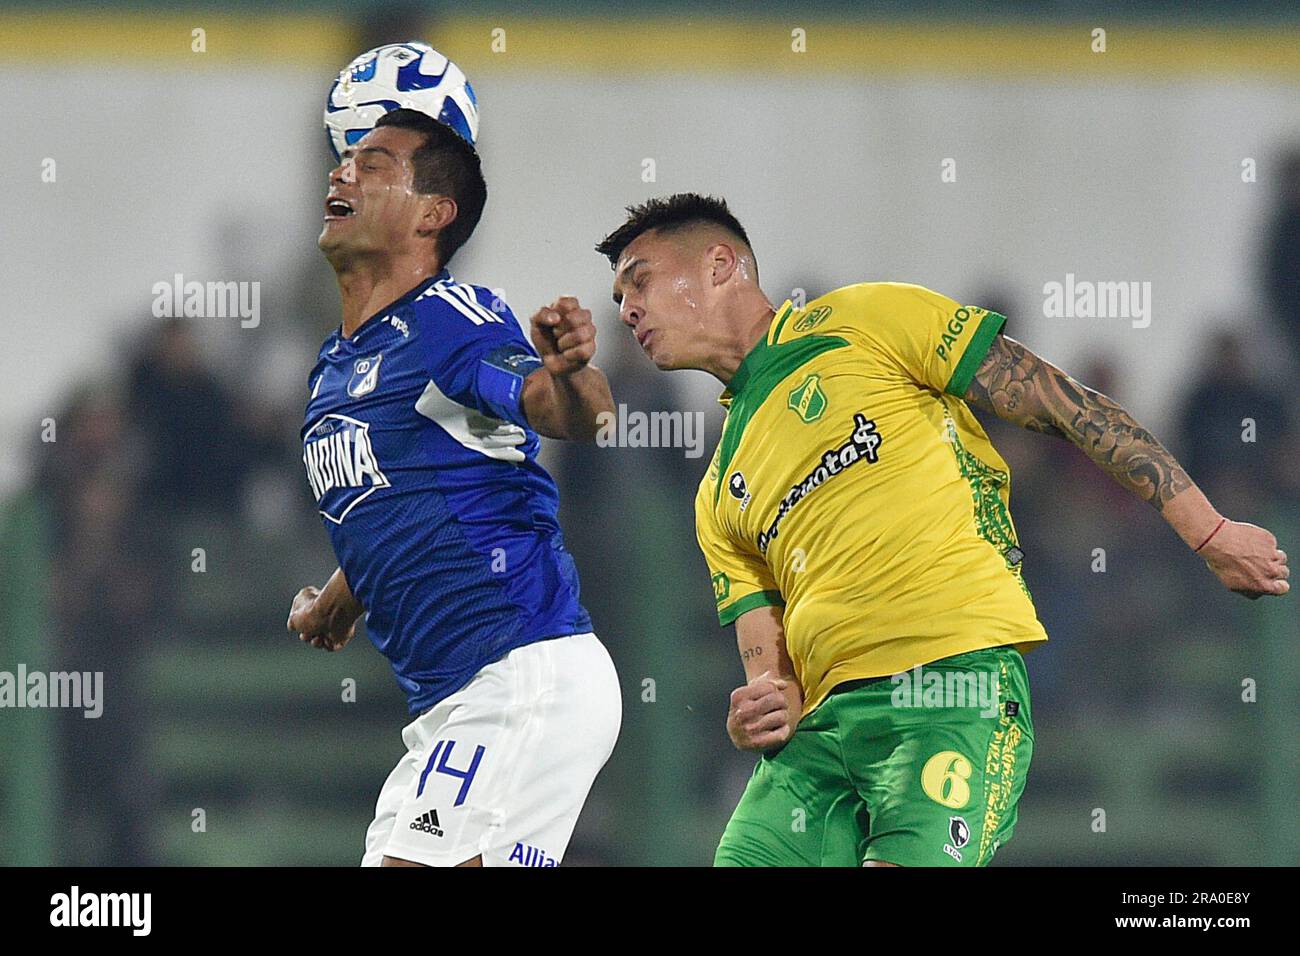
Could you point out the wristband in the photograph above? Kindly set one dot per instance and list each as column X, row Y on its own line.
column 1222, row 522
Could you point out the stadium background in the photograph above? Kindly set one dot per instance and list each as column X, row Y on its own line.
column 1118, row 166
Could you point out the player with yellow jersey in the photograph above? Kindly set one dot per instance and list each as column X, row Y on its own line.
column 855, row 520
column 853, row 488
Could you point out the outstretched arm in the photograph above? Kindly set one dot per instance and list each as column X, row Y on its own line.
column 1017, row 385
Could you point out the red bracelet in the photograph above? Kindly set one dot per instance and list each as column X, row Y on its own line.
column 1222, row 522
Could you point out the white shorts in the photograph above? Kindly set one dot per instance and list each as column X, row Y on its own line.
column 501, row 768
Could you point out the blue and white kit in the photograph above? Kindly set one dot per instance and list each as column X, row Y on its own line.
column 425, row 473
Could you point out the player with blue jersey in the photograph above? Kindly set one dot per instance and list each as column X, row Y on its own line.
column 420, row 446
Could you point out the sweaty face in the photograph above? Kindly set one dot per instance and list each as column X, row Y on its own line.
column 661, row 289
column 372, row 204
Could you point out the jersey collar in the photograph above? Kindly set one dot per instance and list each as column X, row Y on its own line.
column 756, row 357
column 405, row 299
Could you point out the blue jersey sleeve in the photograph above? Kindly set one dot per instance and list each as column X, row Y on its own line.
column 475, row 351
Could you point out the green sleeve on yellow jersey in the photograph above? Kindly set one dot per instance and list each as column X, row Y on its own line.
column 742, row 580
column 937, row 341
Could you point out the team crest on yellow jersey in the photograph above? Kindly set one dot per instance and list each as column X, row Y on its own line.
column 808, row 400
column 810, row 319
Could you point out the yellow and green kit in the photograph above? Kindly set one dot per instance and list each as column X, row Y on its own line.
column 853, row 488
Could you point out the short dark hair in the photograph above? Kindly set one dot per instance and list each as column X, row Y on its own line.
column 449, row 166
column 669, row 213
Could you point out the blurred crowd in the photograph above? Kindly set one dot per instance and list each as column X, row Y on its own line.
column 175, row 439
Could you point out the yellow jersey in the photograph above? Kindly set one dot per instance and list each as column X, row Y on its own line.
column 853, row 487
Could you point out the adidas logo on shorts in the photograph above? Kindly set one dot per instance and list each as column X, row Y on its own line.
column 428, row 823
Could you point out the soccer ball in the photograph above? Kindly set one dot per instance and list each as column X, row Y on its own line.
column 398, row 76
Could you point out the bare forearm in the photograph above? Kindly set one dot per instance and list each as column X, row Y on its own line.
column 567, row 406
column 1024, row 389
column 765, row 711
column 336, row 600
column 764, row 653
column 760, row 639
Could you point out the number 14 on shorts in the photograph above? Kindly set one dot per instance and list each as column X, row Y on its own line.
column 440, row 762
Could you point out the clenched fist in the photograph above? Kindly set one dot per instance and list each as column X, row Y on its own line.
column 564, row 336
column 762, row 716
column 317, row 625
column 1246, row 558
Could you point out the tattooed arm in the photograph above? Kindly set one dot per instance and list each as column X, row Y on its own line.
column 1017, row 385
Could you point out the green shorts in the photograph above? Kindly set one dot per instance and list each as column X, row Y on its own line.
column 921, row 769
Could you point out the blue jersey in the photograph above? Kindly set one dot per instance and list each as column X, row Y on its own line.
column 426, row 476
